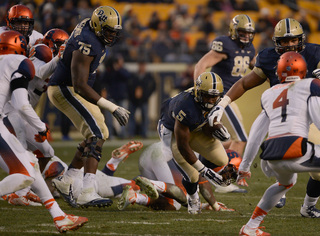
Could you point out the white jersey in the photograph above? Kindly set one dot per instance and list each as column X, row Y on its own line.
column 35, row 35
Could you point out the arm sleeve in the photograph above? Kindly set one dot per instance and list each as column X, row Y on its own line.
column 45, row 71
column 258, row 131
column 20, row 102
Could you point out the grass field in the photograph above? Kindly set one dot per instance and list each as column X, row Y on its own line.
column 137, row 220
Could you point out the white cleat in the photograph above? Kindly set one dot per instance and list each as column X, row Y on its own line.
column 63, row 185
column 89, row 198
column 194, row 205
column 69, row 222
column 128, row 196
column 147, row 186
column 16, row 200
column 309, row 212
column 232, row 188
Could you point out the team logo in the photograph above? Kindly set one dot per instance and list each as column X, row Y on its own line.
column 102, row 16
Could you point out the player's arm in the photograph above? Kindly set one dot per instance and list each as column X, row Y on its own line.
column 182, row 135
column 208, row 60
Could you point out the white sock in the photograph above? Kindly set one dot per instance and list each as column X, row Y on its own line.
column 194, row 196
column 310, row 201
column 23, row 192
column 72, row 173
column 88, row 180
column 142, row 199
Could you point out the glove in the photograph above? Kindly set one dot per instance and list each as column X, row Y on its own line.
column 122, row 115
column 32, row 52
column 213, row 177
column 242, row 175
column 61, row 51
column 222, row 134
column 217, row 113
column 42, row 136
column 316, row 73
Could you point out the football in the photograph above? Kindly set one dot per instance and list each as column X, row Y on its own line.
column 208, row 130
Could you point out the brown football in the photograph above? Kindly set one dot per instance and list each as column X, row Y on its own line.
column 208, row 130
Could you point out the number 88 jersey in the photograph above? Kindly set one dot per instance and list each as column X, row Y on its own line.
column 292, row 107
column 237, row 63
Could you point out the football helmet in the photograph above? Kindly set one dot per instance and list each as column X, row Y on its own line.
column 106, row 23
column 288, row 29
column 208, row 85
column 291, row 67
column 54, row 38
column 12, row 42
column 239, row 27
column 20, row 18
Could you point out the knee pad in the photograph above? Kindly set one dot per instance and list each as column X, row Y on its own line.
column 93, row 150
column 80, row 147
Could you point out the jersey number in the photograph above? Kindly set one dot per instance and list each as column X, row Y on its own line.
column 240, row 65
column 84, row 48
column 181, row 115
column 282, row 101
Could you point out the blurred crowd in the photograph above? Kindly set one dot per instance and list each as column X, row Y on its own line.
column 171, row 42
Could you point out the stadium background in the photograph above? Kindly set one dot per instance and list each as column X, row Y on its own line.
column 167, row 72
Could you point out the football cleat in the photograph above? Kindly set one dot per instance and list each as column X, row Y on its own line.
column 123, row 152
column 63, row 185
column 245, row 230
column 148, row 187
column 89, row 198
column 223, row 207
column 309, row 212
column 33, row 197
column 128, row 196
column 282, row 202
column 69, row 222
column 232, row 188
column 194, row 205
column 16, row 200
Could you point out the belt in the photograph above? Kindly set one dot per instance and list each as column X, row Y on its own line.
column 38, row 92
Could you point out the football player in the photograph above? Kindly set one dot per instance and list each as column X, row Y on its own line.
column 17, row 70
column 70, row 90
column 231, row 57
column 20, row 18
column 288, row 36
column 179, row 127
column 287, row 110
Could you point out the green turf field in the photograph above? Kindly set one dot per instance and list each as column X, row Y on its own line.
column 137, row 220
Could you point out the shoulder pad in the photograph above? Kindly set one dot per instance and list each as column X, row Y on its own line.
column 42, row 52
column 26, row 68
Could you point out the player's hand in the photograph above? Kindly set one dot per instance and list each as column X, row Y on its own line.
column 316, row 73
column 222, row 134
column 213, row 177
column 242, row 176
column 42, row 136
column 61, row 51
column 122, row 115
column 32, row 53
column 215, row 114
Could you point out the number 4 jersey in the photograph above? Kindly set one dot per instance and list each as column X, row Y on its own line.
column 84, row 40
column 237, row 63
column 291, row 108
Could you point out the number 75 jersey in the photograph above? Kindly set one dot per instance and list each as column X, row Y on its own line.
column 292, row 107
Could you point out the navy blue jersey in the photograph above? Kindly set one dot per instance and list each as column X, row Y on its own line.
column 84, row 40
column 236, row 65
column 184, row 108
column 268, row 58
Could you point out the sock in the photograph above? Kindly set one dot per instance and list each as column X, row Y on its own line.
column 194, row 196
column 160, row 186
column 142, row 199
column 23, row 192
column 113, row 163
column 313, row 188
column 88, row 180
column 256, row 218
column 310, row 201
column 108, row 170
column 53, row 208
column 72, row 172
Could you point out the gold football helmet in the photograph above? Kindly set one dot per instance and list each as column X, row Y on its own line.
column 287, row 29
column 291, row 67
column 208, row 85
column 106, row 23
column 241, row 25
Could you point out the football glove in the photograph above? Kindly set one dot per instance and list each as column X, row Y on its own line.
column 222, row 134
column 213, row 177
column 242, row 175
column 42, row 136
column 229, row 173
column 32, row 53
column 316, row 73
column 61, row 51
column 217, row 113
column 122, row 115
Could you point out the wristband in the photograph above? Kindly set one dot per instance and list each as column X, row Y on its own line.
column 105, row 104
column 198, row 165
column 225, row 101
